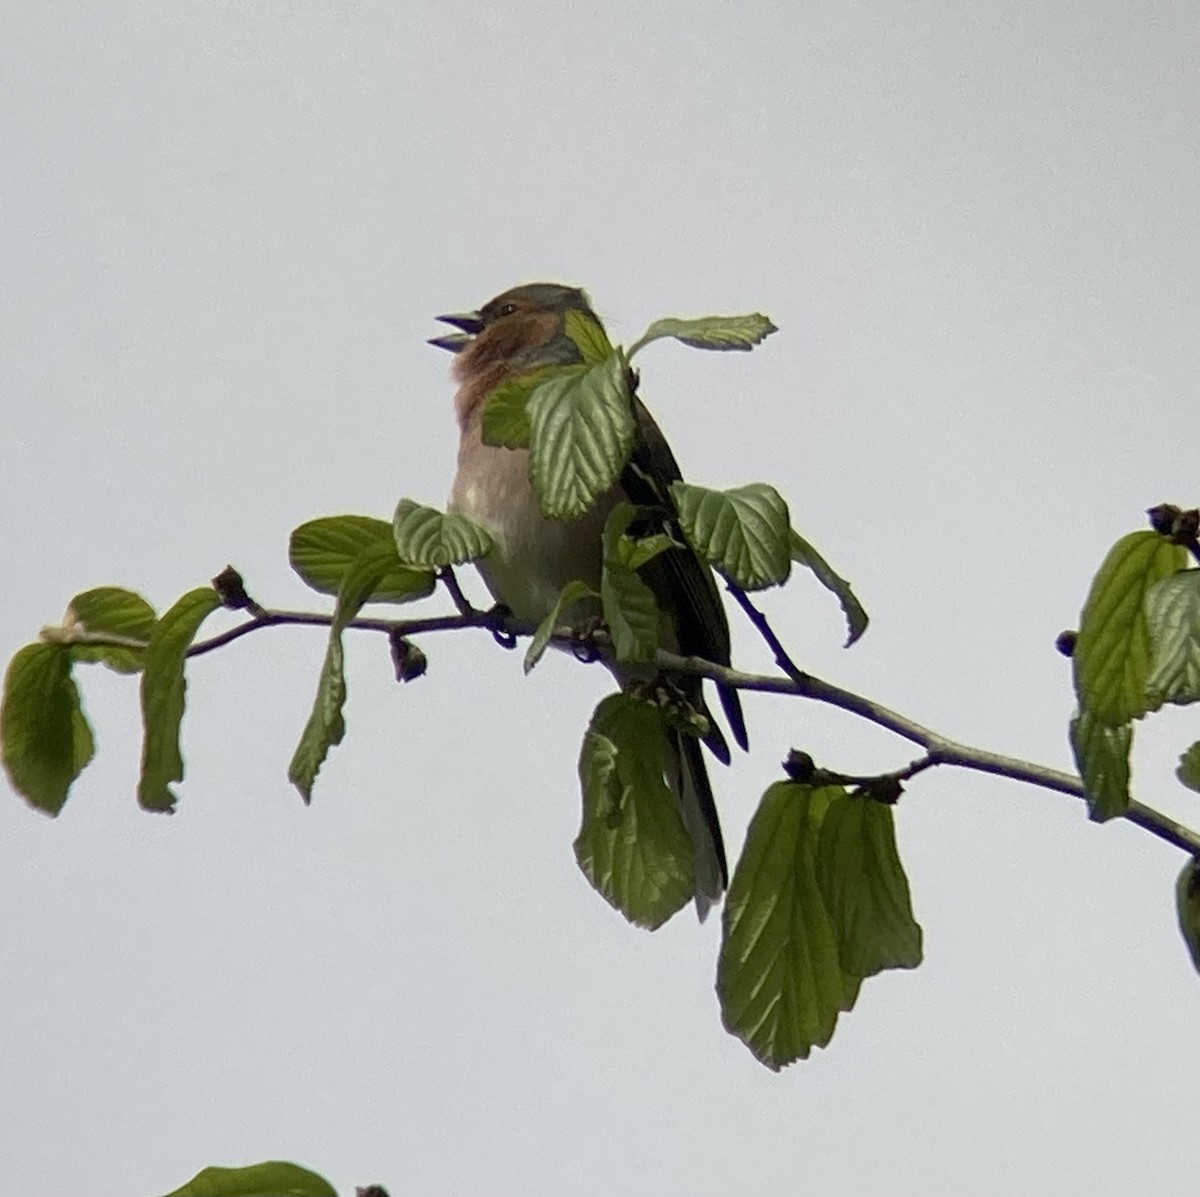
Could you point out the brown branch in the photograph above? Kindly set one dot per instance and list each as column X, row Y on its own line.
column 939, row 749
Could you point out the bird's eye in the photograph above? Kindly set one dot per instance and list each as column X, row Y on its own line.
column 507, row 309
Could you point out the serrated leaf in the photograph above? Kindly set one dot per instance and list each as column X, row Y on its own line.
column 163, row 695
column 744, row 533
column 588, row 335
column 45, row 739
column 1187, row 907
column 711, row 332
column 779, row 977
column 630, row 610
column 570, row 594
column 1189, row 768
column 581, row 432
column 1111, row 661
column 632, row 845
column 1173, row 615
column 804, row 554
column 865, row 888
column 275, row 1178
column 1102, row 758
column 427, row 537
column 323, row 550
column 504, row 421
column 111, row 611
column 326, row 725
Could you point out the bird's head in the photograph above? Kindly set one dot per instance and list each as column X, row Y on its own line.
column 523, row 329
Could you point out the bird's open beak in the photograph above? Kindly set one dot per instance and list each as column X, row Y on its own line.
column 469, row 322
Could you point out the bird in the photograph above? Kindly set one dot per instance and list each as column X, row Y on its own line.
column 533, row 557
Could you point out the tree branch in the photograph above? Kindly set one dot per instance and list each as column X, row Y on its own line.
column 939, row 749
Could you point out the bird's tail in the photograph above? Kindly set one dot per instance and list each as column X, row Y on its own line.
column 688, row 779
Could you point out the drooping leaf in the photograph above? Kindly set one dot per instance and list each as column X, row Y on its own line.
column 803, row 553
column 632, row 845
column 275, row 1178
column 504, row 421
column 570, row 594
column 1173, row 614
column 581, row 431
column 427, row 537
column 110, row 611
column 1102, row 758
column 45, row 739
column 323, row 550
column 865, row 888
column 779, row 978
column 1189, row 768
column 743, row 532
column 163, row 696
column 1187, row 906
column 326, row 724
column 630, row 610
column 1112, row 651
column 711, row 332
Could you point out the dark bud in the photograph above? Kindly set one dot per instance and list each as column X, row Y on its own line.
column 409, row 661
column 370, row 1191
column 884, row 789
column 1162, row 518
column 1065, row 642
column 1187, row 526
column 228, row 584
column 799, row 766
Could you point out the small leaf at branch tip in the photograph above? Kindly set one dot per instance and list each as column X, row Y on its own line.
column 1189, row 768
column 1187, row 907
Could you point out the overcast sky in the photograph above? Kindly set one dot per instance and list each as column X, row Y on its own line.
column 226, row 229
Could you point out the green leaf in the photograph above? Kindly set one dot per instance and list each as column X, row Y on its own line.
column 323, row 550
column 803, row 553
column 110, row 611
column 163, row 696
column 630, row 610
column 779, row 977
column 1173, row 614
column 275, row 1178
column 865, row 888
column 570, row 594
column 326, row 724
column 1189, row 768
column 743, row 532
column 1187, row 906
column 505, row 420
column 426, row 537
column 711, row 332
column 1112, row 651
column 1102, row 758
column 45, row 740
column 581, row 432
column 589, row 336
column 632, row 846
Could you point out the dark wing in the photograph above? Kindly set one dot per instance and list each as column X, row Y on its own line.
column 681, row 582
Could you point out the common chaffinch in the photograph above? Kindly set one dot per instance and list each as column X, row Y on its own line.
column 533, row 557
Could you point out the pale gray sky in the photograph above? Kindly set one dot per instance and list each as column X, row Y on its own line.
column 226, row 229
